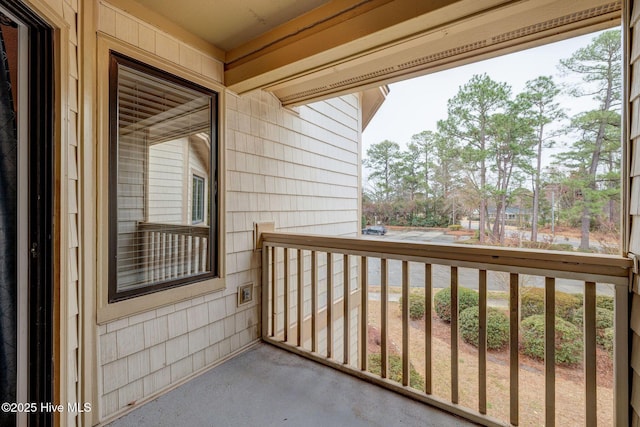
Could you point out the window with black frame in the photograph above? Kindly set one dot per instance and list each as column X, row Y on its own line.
column 163, row 217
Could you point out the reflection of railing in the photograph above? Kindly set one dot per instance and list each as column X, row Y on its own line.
column 316, row 303
column 173, row 251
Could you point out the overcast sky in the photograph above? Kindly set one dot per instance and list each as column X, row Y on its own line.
column 417, row 104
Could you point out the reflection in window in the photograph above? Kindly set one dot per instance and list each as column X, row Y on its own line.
column 197, row 205
column 161, row 131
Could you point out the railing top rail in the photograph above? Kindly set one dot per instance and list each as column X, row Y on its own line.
column 191, row 230
column 604, row 268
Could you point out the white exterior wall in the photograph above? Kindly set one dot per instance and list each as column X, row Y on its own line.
column 167, row 165
column 296, row 168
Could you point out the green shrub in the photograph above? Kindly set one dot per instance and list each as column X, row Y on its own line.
column 607, row 341
column 568, row 340
column 604, row 321
column 395, row 370
column 497, row 327
column 604, row 318
column 532, row 303
column 442, row 301
column 416, row 306
column 455, row 227
column 604, row 301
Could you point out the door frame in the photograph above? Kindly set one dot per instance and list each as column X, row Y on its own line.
column 40, row 199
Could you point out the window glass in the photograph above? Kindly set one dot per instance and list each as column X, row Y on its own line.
column 161, row 129
column 197, row 196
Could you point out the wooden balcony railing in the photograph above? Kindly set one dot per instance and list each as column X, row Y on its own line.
column 316, row 297
column 172, row 251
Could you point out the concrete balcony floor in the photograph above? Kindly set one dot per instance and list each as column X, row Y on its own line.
column 267, row 386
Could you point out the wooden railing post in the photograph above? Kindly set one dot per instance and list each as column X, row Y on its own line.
column 346, row 310
column 514, row 364
column 287, row 295
column 364, row 314
column 428, row 341
column 454, row 334
column 274, row 290
column 329, row 305
column 621, row 356
column 405, row 324
column 550, row 351
column 314, row 301
column 482, row 342
column 300, row 308
column 591, row 401
column 384, row 325
column 265, row 293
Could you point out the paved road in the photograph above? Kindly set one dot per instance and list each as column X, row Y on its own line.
column 467, row 277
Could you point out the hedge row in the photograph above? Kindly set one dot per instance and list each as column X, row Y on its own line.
column 569, row 318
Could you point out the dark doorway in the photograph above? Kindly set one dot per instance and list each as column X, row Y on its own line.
column 26, row 212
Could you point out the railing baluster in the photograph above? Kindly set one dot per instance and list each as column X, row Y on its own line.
column 513, row 348
column 454, row 334
column 158, row 248
column 174, row 251
column 405, row 323
column 550, row 351
column 300, row 309
column 384, row 297
column 168, row 256
column 329, row 305
column 194, row 255
column 163, row 251
column 591, row 401
column 274, row 291
column 364, row 315
column 287, row 299
column 265, row 292
column 207, row 262
column 314, row 301
column 181, row 262
column 150, row 249
column 185, row 255
column 428, row 298
column 346, row 312
column 188, row 253
column 152, row 256
column 203, row 254
column 482, row 342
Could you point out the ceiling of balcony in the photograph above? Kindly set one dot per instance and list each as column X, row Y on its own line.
column 229, row 24
column 308, row 50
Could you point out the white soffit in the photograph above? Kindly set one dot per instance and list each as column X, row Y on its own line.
column 228, row 24
column 510, row 27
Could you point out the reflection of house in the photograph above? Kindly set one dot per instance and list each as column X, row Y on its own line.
column 178, row 167
column 512, row 215
column 153, row 139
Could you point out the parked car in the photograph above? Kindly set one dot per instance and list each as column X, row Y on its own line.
column 379, row 230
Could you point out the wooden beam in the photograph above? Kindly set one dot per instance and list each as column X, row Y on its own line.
column 330, row 34
column 590, row 267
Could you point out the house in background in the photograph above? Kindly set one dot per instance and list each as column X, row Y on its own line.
column 156, row 148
